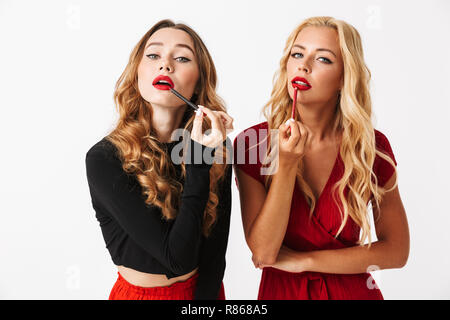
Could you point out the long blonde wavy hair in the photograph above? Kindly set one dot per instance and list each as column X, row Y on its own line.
column 141, row 153
column 353, row 116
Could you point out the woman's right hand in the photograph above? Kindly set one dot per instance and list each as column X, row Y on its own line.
column 292, row 139
column 220, row 123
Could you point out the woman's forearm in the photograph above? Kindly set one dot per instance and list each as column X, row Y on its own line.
column 269, row 227
column 357, row 259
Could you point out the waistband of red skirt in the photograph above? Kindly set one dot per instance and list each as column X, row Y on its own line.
column 311, row 274
column 171, row 289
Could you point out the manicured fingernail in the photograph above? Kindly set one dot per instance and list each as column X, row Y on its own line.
column 199, row 112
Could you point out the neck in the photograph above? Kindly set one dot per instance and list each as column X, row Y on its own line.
column 319, row 119
column 165, row 120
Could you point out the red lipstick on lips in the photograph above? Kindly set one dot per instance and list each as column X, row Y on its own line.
column 300, row 83
column 163, row 83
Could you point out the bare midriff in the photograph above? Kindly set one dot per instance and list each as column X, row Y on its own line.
column 150, row 280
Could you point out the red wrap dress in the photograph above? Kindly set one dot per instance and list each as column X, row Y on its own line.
column 317, row 233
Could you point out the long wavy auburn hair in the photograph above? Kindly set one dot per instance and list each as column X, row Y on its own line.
column 353, row 117
column 141, row 153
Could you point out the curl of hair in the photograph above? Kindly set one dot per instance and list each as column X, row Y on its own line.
column 142, row 154
column 352, row 117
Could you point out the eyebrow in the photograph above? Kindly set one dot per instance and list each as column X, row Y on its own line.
column 320, row 49
column 181, row 45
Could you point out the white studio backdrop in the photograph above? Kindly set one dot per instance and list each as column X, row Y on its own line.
column 59, row 61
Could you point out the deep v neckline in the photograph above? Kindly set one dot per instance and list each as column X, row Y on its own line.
column 326, row 184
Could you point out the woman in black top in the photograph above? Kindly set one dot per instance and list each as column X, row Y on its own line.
column 165, row 222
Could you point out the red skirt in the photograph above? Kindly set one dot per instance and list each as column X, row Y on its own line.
column 184, row 290
column 280, row 285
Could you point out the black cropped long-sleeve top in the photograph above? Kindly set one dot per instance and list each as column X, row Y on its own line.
column 138, row 237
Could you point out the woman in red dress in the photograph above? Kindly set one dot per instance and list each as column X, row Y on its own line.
column 305, row 215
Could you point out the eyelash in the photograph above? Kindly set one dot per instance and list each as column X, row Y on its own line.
column 328, row 61
column 183, row 61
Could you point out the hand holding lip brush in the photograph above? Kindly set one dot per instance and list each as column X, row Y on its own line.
column 226, row 119
column 292, row 138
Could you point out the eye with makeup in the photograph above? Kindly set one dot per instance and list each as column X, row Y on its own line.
column 298, row 55
column 182, row 59
column 152, row 56
column 179, row 59
column 326, row 60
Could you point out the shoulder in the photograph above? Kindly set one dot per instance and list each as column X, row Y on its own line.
column 254, row 130
column 103, row 150
column 261, row 125
column 103, row 165
column 381, row 167
column 251, row 139
column 383, row 145
column 250, row 149
column 381, row 141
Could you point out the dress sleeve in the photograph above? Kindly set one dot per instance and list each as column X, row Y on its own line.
column 175, row 245
column 212, row 257
column 382, row 168
column 246, row 158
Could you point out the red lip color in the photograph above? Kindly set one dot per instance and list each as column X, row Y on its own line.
column 307, row 86
column 165, row 84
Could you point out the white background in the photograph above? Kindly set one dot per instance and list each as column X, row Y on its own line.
column 59, row 61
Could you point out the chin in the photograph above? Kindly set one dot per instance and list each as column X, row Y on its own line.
column 162, row 100
column 166, row 103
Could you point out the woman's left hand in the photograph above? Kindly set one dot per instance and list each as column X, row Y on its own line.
column 290, row 260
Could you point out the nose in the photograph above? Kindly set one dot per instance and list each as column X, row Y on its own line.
column 303, row 66
column 166, row 66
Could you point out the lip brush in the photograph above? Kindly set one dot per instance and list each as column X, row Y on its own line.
column 294, row 103
column 189, row 103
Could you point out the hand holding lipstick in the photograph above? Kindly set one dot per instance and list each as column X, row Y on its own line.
column 221, row 124
column 292, row 146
